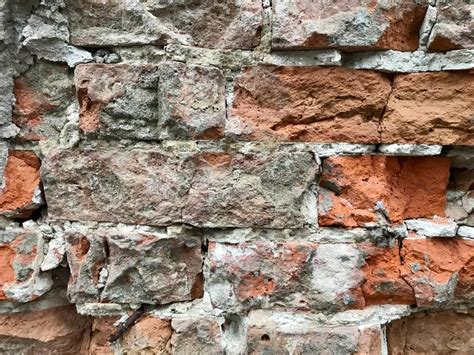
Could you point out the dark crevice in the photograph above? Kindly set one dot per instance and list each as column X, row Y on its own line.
column 391, row 78
column 35, row 216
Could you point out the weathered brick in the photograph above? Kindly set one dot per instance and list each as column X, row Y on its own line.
column 334, row 277
column 308, row 104
column 347, row 25
column 20, row 193
column 358, row 190
column 234, row 24
column 454, row 26
column 196, row 334
column 141, row 267
column 256, row 187
column 425, row 272
column 120, row 99
column 432, row 333
column 244, row 186
column 43, row 95
column 117, row 185
column 298, row 275
column 52, row 331
column 151, row 102
column 21, row 254
column 283, row 333
column 433, row 108
column 191, row 101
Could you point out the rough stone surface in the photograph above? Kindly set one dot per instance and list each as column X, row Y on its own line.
column 254, row 187
column 363, row 190
column 117, row 185
column 348, row 25
column 308, row 104
column 46, row 35
column 21, row 255
column 191, row 101
column 21, row 192
column 430, row 108
column 264, row 186
column 143, row 267
column 106, row 93
column 55, row 254
column 53, row 331
column 278, row 333
column 43, row 95
column 435, row 333
column 328, row 277
column 199, row 334
column 299, row 275
column 236, row 24
column 151, row 102
column 454, row 26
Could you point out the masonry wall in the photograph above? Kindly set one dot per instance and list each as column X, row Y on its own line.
column 236, row 177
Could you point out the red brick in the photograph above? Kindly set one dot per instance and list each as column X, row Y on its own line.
column 308, row 104
column 408, row 187
column 58, row 330
column 20, row 197
column 430, row 108
column 432, row 333
column 423, row 272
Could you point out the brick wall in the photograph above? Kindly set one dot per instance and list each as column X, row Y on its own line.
column 236, row 177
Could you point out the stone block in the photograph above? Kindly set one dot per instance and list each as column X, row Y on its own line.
column 283, row 333
column 21, row 255
column 454, row 26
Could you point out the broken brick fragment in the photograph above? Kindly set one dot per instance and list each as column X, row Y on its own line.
column 21, row 192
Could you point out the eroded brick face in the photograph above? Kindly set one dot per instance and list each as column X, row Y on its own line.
column 263, row 187
column 137, row 265
column 303, row 276
column 21, row 279
column 357, row 191
column 309, row 104
column 433, row 108
column 441, row 332
column 348, row 25
column 151, row 102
